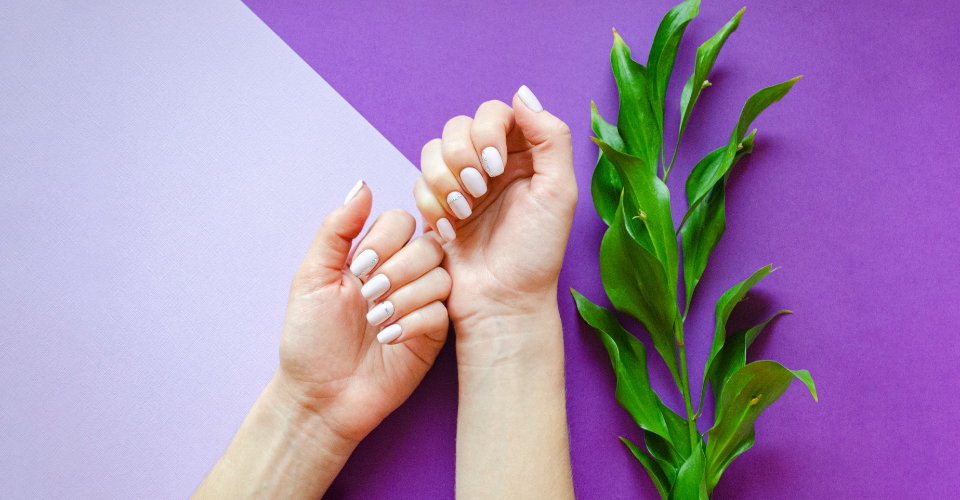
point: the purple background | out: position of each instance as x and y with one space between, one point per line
852 190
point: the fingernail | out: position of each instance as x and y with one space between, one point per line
353 191
492 161
380 313
459 205
446 230
389 334
376 287
363 263
473 181
528 99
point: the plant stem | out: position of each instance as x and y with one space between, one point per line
685 388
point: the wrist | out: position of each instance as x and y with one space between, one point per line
528 337
306 421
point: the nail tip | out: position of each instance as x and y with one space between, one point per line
389 334
353 191
529 99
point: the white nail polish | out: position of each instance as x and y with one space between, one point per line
446 230
473 180
377 286
492 161
528 99
363 263
459 205
389 334
353 191
380 313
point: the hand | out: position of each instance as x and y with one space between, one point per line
505 223
332 359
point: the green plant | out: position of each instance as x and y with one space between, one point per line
640 264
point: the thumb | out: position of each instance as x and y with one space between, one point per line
551 150
328 253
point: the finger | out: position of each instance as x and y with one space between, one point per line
488 132
389 233
442 182
551 150
432 211
429 321
435 285
411 262
461 157
331 246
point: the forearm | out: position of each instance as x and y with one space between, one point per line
512 425
282 450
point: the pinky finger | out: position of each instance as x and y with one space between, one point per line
432 211
430 320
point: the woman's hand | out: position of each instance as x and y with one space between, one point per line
499 189
358 338
505 224
356 341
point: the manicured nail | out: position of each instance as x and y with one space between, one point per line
528 99
492 161
473 180
363 263
446 230
377 286
380 313
353 191
459 205
389 334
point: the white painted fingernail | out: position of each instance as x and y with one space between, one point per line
459 205
528 99
363 263
353 191
380 313
446 230
389 334
473 180
492 161
376 287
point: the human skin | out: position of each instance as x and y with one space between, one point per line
339 375
505 225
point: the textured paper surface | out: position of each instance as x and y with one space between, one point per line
852 190
163 168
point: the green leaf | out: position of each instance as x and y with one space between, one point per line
629 359
605 186
745 396
700 182
663 54
725 306
706 57
636 122
673 453
690 483
656 474
733 356
645 195
704 223
637 285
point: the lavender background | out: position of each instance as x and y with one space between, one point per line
852 190
144 274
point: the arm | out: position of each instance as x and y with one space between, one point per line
357 339
504 251
281 450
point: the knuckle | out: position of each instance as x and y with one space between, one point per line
456 120
432 143
486 131
457 151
